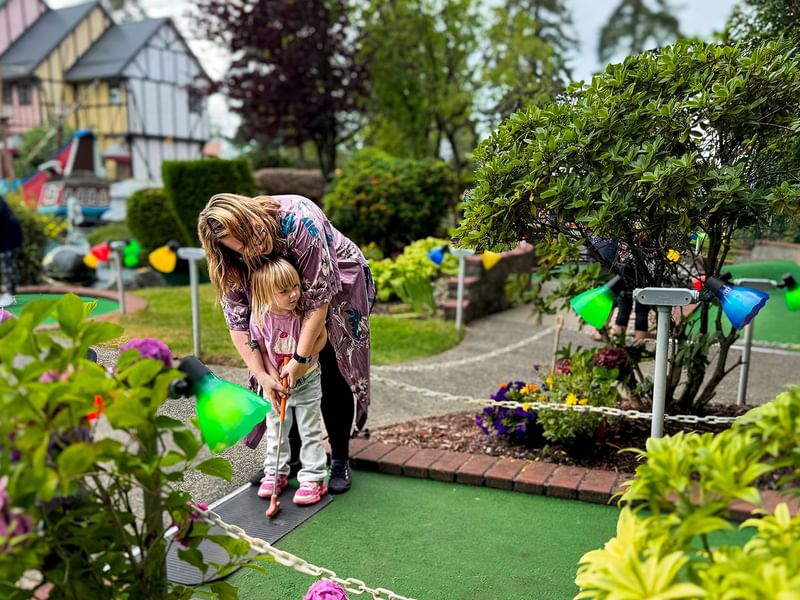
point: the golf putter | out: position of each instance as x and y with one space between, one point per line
274 503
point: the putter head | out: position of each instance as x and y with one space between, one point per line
274 507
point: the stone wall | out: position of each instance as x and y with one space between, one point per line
484 290
305 182
768 250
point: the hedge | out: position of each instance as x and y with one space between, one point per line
190 183
150 219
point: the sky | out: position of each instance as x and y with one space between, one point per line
698 18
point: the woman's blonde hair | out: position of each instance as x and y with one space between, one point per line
252 221
266 282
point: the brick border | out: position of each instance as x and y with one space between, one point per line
132 303
525 476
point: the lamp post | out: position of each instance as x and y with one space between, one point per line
116 257
462 254
193 255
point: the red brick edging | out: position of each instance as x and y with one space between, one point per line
526 476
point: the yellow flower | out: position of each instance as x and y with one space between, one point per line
583 402
526 405
549 381
571 400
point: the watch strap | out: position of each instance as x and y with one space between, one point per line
301 359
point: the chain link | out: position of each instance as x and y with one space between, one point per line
287 559
463 361
607 410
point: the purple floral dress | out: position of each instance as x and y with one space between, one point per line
332 269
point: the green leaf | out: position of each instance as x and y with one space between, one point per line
95 332
224 590
142 373
216 467
186 441
165 422
70 314
76 460
194 557
127 412
234 547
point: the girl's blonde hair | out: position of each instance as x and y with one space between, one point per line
253 221
266 282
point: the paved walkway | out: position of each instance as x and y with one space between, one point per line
485 369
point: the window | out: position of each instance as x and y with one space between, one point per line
114 94
195 103
7 96
24 93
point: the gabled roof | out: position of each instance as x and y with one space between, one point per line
111 53
40 39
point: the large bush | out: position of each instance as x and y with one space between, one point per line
150 219
682 496
190 183
693 137
390 274
390 201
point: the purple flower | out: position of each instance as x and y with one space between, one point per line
12 522
564 367
611 358
150 348
5 315
325 589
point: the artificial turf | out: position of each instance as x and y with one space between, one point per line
427 539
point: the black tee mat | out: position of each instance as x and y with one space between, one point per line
246 510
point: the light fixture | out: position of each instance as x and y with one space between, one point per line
226 412
740 304
792 294
594 306
165 258
490 259
437 255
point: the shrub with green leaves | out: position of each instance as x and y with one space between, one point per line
35 231
390 275
84 513
150 219
190 183
390 201
682 495
108 233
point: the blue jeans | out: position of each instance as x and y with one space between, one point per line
303 406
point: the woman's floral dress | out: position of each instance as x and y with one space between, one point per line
332 269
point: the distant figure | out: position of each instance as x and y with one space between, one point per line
11 238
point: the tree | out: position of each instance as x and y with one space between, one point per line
422 76
526 57
764 19
37 145
692 137
296 73
635 26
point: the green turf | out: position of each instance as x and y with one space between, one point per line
103 306
774 322
426 539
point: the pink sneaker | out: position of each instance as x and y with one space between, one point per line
310 492
268 483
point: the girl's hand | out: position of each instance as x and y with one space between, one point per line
294 372
272 389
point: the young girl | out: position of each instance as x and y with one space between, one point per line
275 323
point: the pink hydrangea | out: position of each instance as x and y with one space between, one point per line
150 348
325 589
5 315
12 521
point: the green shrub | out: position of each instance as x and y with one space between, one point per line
35 228
390 201
389 275
150 219
190 183
108 233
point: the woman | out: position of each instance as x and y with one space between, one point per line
237 232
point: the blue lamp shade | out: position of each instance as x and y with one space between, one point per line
594 306
740 304
436 255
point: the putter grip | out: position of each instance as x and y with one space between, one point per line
284 383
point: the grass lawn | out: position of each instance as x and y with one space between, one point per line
169 318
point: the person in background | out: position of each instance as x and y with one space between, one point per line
11 238
237 234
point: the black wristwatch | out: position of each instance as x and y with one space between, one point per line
301 359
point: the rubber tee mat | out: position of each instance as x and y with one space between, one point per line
246 510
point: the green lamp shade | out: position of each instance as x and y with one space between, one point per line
226 412
594 306
792 294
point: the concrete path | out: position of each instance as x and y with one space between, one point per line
485 369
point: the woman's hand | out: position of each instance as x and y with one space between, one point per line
272 389
294 372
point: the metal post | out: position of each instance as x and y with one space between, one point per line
193 255
116 257
741 396
462 254
660 382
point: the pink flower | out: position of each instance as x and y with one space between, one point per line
5 315
325 589
12 522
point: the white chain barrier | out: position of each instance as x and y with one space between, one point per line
606 410
287 559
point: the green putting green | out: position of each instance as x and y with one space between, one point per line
427 539
103 306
